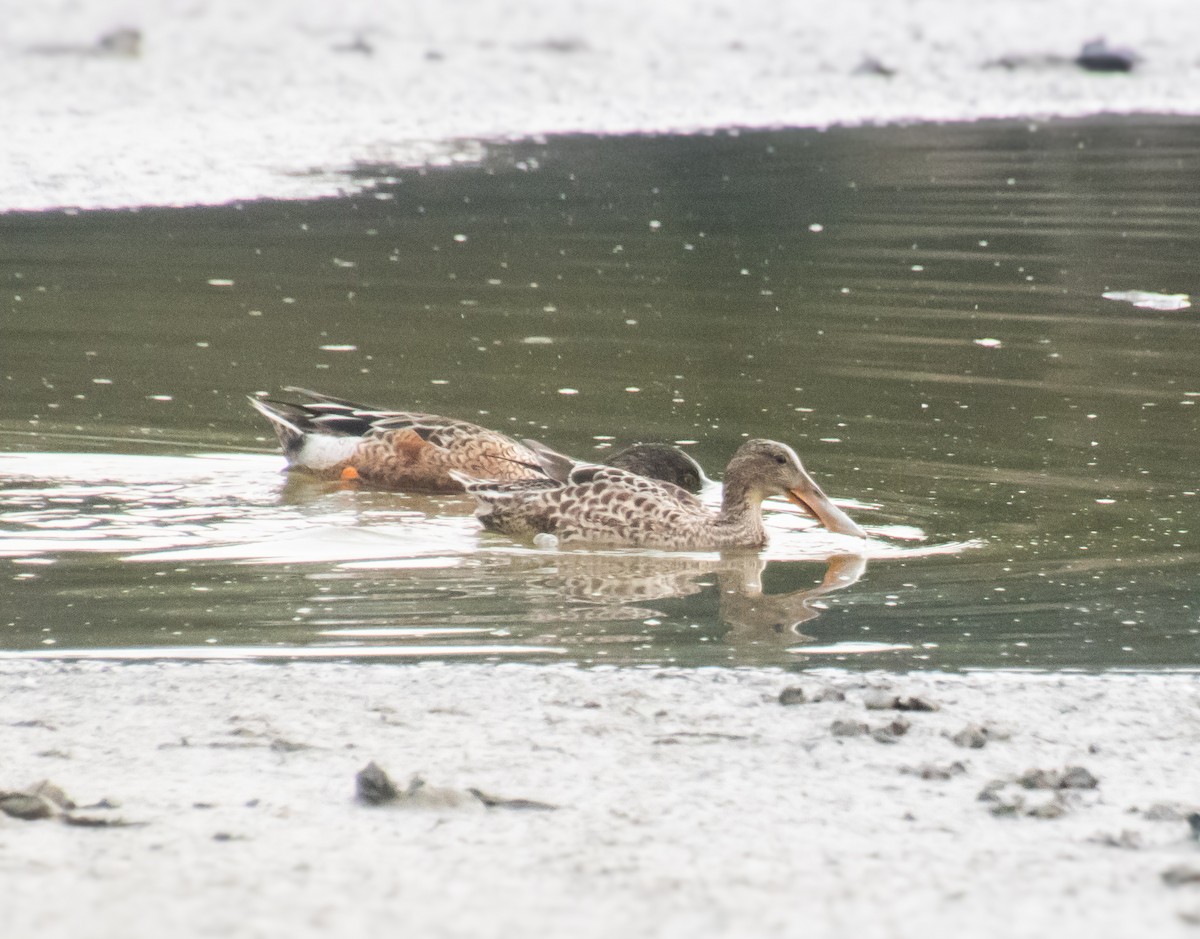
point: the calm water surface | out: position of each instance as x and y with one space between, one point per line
919 311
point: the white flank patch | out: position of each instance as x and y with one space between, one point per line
321 451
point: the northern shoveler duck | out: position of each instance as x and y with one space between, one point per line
336 439
608 506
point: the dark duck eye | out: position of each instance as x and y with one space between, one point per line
780 459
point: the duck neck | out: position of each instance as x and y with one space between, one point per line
741 513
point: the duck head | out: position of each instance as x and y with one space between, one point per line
661 461
762 468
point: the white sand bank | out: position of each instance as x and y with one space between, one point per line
692 804
228 100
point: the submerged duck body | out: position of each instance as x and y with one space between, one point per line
608 506
332 438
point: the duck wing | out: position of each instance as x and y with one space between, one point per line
557 466
329 414
598 504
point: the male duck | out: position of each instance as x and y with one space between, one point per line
333 438
608 506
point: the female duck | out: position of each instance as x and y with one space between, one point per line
336 439
607 506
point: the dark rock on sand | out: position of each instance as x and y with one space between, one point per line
46 800
916 703
1098 56
1052 809
886 700
936 771
124 43
991 790
1011 796
892 731
1172 812
373 786
973 736
1128 840
873 66
24 806
792 696
1008 802
1181 875
1095 56
43 800
1073 777
880 700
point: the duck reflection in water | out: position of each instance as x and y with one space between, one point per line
622 587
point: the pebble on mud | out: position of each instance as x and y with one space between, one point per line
1073 777
842 727
976 736
1162 812
916 703
46 800
892 731
25 807
1008 802
886 700
972 736
1010 796
880 700
792 696
43 800
373 786
873 66
1098 56
1051 809
935 771
1128 839
1172 812
1180 875
123 43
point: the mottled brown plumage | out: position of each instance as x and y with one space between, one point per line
336 439
407 450
608 506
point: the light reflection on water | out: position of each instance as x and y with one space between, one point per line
920 311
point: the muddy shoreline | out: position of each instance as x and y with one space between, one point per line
143 103
712 802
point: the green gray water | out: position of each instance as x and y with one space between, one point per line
917 310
